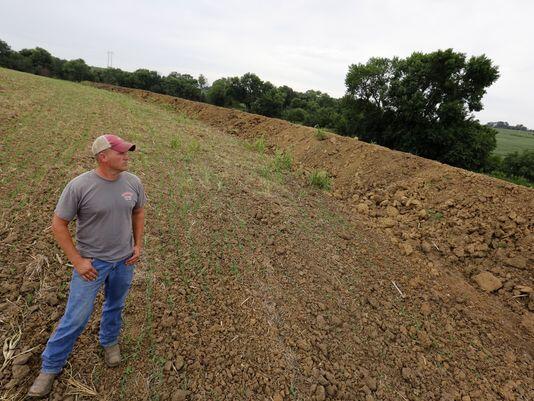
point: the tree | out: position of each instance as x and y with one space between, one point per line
202 82
181 85
40 59
371 82
270 102
5 54
296 115
56 68
422 104
520 164
77 70
112 76
251 88
289 95
145 79
218 93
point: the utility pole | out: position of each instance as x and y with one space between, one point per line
110 59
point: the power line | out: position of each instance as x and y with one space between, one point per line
110 59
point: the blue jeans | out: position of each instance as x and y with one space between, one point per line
116 278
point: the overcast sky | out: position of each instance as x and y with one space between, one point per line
302 44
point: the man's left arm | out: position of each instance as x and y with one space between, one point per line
138 226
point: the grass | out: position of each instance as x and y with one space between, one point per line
509 141
282 162
320 134
258 145
176 143
191 150
513 179
435 215
320 179
78 387
280 165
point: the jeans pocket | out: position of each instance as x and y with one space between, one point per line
97 263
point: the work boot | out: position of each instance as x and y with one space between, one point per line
112 355
42 385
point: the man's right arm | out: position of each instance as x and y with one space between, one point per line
83 266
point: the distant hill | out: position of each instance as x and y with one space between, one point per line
512 140
505 125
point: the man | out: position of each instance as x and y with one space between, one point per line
108 204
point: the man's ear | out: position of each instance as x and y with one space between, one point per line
102 156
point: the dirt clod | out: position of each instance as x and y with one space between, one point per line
180 395
278 397
320 393
487 281
179 362
18 372
22 359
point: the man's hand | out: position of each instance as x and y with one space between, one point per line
86 270
135 257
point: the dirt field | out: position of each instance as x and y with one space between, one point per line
255 285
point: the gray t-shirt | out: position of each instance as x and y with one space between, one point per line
103 209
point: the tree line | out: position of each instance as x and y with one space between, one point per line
422 104
505 125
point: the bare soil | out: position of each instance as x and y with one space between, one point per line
254 285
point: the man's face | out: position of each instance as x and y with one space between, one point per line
115 160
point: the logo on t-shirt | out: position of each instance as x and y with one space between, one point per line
127 196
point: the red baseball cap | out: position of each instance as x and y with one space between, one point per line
110 141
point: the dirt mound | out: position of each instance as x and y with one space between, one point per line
452 218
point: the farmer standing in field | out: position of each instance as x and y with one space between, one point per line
108 204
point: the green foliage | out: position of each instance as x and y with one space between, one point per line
514 179
112 76
504 125
422 105
270 102
519 165
181 85
320 179
250 93
435 215
297 115
372 81
5 50
193 147
258 145
36 61
280 165
176 143
469 147
76 70
40 59
514 167
320 134
248 89
282 162
6 55
218 93
493 163
145 79
202 82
